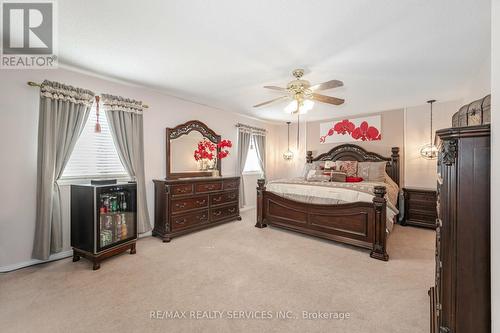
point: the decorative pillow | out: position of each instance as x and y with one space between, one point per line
372 171
338 176
349 167
353 179
317 176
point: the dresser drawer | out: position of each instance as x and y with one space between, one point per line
208 187
184 221
180 205
223 212
182 189
422 196
221 198
231 184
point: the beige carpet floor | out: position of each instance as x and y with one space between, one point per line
230 268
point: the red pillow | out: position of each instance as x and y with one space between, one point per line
353 179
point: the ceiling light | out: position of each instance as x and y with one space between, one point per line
288 154
304 106
429 151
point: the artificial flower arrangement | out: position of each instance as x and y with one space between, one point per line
206 155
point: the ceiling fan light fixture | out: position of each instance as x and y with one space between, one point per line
304 106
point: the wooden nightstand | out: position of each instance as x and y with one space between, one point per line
420 207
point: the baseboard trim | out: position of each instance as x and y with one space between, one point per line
57 256
244 209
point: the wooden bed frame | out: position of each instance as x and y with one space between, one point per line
361 224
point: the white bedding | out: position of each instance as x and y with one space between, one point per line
334 193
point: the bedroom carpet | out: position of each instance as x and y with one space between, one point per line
247 274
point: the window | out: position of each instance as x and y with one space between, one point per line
252 164
95 154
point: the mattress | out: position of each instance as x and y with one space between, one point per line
332 193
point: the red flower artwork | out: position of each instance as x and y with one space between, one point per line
343 127
365 132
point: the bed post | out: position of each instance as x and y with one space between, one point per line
309 156
261 188
379 246
395 165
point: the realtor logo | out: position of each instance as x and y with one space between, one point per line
28 35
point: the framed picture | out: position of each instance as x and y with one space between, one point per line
349 130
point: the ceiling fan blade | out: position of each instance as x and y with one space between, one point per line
327 85
327 99
271 101
275 88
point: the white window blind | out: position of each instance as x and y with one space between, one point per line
95 154
252 164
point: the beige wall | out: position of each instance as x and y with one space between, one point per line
418 171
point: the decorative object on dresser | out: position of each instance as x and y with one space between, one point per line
103 220
420 207
190 199
361 224
184 205
460 299
475 113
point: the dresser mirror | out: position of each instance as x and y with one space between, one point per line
182 144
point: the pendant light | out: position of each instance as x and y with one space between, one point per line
288 155
429 151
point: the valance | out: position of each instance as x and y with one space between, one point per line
59 91
118 103
251 129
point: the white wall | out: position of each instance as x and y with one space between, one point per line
495 160
418 171
18 146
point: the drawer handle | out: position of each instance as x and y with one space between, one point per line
217 213
232 210
210 187
200 202
202 217
232 196
182 190
180 205
218 199
181 221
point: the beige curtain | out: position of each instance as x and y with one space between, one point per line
244 137
260 142
126 125
64 110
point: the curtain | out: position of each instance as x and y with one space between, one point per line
260 143
244 137
126 125
64 110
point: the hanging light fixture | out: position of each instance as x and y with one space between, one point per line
299 106
430 151
288 155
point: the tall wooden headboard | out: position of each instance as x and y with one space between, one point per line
352 152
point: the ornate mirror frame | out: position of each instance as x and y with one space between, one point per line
183 129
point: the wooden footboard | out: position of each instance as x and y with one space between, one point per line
361 224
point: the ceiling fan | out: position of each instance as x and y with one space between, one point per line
303 94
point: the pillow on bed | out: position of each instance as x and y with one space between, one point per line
338 176
353 179
349 167
372 171
317 176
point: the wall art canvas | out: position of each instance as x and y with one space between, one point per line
349 130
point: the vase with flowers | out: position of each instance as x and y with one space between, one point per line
207 153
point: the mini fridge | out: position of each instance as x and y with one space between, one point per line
103 220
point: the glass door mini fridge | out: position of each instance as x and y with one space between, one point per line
103 220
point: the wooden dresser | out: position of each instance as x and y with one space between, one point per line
460 298
185 205
420 207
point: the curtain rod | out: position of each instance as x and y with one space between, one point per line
250 127
34 84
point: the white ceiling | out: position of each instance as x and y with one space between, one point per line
389 53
